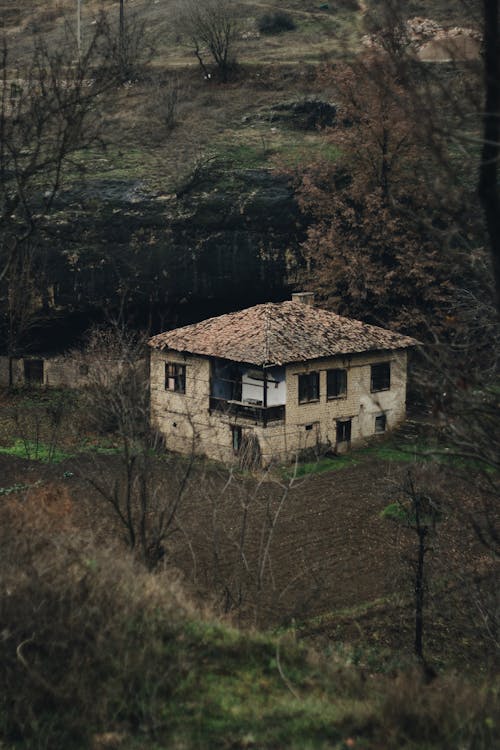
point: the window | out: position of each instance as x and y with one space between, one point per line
175 377
344 431
236 435
380 377
380 423
33 371
336 383
308 387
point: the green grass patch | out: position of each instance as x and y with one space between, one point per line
242 699
37 451
386 452
297 154
328 463
102 447
114 163
17 487
34 451
394 453
243 156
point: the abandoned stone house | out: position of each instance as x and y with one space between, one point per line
63 371
274 380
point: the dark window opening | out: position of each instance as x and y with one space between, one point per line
344 431
175 377
308 387
83 369
309 426
336 383
225 382
380 423
33 370
236 435
380 377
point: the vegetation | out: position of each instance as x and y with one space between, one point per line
275 23
211 28
146 180
160 674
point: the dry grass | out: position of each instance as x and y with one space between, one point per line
87 635
97 653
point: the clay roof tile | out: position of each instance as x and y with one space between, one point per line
279 333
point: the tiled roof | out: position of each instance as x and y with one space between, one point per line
277 334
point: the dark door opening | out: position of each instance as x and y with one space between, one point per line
344 431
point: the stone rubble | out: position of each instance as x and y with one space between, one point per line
418 31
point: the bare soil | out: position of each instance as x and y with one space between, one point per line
334 568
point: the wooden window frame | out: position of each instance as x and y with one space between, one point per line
332 383
380 382
175 377
304 387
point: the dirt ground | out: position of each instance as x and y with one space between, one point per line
314 552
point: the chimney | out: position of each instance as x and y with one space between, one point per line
305 298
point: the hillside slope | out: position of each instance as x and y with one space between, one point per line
97 653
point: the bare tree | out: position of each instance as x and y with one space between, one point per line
163 106
116 402
47 115
210 27
489 191
418 511
131 47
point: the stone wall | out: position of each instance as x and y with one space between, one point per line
187 424
64 371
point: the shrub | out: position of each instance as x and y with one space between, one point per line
448 712
88 638
275 23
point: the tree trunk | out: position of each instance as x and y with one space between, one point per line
488 176
419 595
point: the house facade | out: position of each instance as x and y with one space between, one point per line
272 381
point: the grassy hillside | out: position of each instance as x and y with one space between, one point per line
97 653
234 121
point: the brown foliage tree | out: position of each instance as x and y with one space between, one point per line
378 248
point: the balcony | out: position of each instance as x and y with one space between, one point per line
254 412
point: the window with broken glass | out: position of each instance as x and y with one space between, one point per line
175 377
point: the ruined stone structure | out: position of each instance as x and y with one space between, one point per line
274 380
36 370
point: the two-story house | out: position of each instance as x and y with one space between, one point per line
274 380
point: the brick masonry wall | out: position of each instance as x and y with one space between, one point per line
359 405
187 424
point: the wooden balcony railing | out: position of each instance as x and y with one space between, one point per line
254 412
